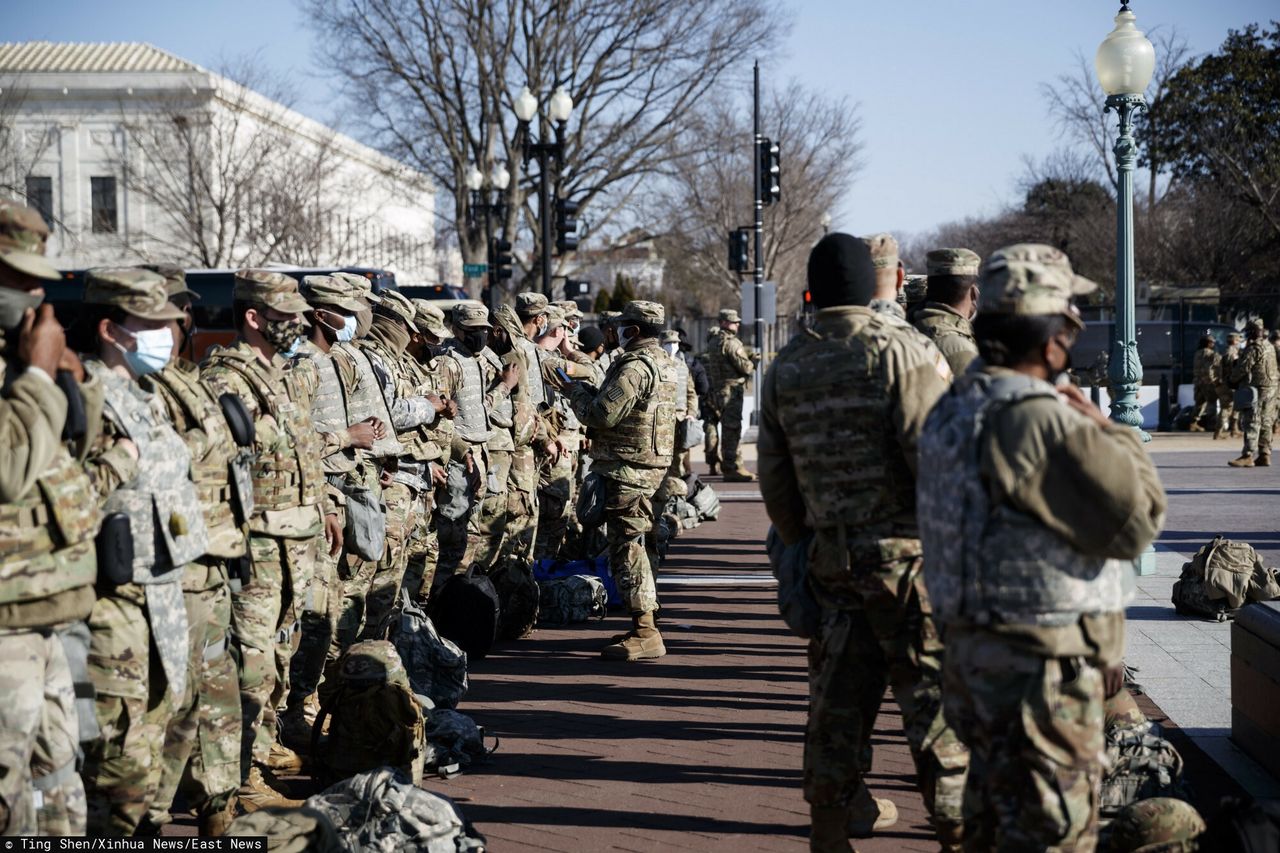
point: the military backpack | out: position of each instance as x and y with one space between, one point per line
577 598
1141 765
518 598
437 668
1221 578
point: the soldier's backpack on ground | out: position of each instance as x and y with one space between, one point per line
466 610
549 570
790 564
454 742
289 830
384 811
517 599
1142 765
705 501
577 598
374 718
591 500
1221 578
437 668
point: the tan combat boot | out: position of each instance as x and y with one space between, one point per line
862 820
283 760
256 794
214 824
644 644
1263 460
827 829
739 475
1244 461
1195 427
1218 434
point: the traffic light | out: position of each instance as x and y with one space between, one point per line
739 250
770 171
573 288
566 226
499 259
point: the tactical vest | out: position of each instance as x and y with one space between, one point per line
440 433
557 400
472 422
366 401
502 412
213 453
414 381
46 535
646 437
329 409
987 564
539 392
682 389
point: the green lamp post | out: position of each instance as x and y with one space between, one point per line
1125 62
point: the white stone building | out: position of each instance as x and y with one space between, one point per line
632 257
135 154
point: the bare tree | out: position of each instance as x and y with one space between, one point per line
437 77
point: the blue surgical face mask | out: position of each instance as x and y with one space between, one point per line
152 350
348 330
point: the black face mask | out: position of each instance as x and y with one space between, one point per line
1064 373
475 341
500 345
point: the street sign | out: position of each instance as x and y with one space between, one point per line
768 303
474 270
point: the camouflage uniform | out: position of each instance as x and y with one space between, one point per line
1207 376
288 496
1257 367
1228 418
841 411
673 484
951 333
1026 509
631 425
47 569
729 366
136 701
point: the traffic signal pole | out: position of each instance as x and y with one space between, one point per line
758 270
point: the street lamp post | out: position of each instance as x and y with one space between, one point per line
482 206
1125 62
549 154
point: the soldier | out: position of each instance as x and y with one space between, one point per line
205 725
1257 368
572 319
951 302
841 411
141 471
289 513
608 326
915 291
673 485
630 421
591 345
47 567
1207 375
1226 391
1275 343
890 276
729 364
1029 498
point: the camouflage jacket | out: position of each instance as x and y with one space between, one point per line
728 360
1207 368
951 333
1257 367
631 419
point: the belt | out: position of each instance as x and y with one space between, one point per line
336 480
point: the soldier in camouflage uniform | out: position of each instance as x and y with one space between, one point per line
1207 374
631 423
292 515
674 485
841 411
1228 417
1029 501
891 278
205 726
1257 368
952 299
47 562
609 327
141 471
729 366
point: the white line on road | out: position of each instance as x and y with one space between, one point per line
717 580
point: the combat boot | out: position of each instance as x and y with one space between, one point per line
1263 460
862 821
214 824
1195 427
1218 434
711 469
283 760
295 730
645 643
256 794
739 475
827 829
1245 461
950 835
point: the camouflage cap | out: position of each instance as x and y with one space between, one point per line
1156 825
884 250
471 315
361 287
915 288
175 279
531 304
430 318
608 318
133 290
272 289
570 309
22 241
397 306
325 291
555 318
952 262
728 315
643 311
371 660
1257 323
670 336
1031 279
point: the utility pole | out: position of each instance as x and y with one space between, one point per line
758 270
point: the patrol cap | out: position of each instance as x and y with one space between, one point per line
360 286
728 315
23 234
430 318
952 262
1156 825
471 315
175 279
608 318
555 318
325 291
570 309
670 336
133 290
643 311
397 306
1256 323
884 250
272 289
531 304
1031 279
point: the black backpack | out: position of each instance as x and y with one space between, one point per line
466 611
1243 826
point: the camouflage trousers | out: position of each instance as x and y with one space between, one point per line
40 790
628 513
317 624
355 580
402 505
877 631
1228 418
201 750
1257 423
557 492
133 707
488 526
1205 401
424 552
1034 727
523 508
462 538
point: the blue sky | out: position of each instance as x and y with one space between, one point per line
948 90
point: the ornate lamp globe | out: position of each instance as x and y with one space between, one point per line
561 105
474 178
526 105
500 177
1126 58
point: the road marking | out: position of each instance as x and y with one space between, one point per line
718 580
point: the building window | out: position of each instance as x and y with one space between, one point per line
103 200
40 196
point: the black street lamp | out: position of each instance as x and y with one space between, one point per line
550 157
482 206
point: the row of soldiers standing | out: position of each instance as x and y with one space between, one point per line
188 549
1245 385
